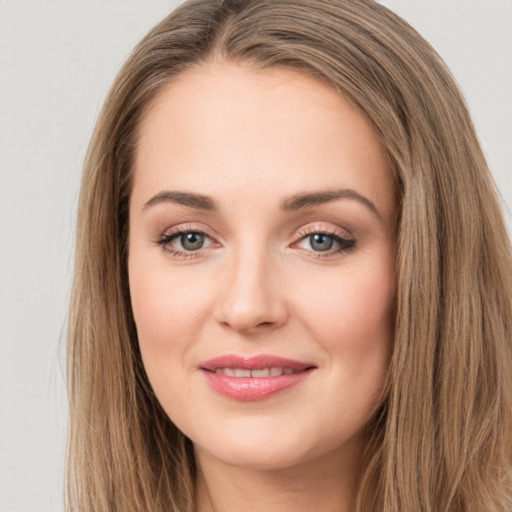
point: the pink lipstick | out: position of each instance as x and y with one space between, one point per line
253 378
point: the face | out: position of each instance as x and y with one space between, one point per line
262 264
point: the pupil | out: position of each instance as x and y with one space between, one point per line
321 242
192 241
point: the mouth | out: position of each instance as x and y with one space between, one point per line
264 372
253 378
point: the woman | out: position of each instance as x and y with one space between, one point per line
293 280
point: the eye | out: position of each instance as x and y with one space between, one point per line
325 242
184 242
321 242
191 241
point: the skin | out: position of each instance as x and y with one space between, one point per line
250 140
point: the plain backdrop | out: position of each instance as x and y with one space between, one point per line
57 60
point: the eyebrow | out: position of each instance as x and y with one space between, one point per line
196 201
296 202
310 199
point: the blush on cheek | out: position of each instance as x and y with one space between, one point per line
168 311
352 304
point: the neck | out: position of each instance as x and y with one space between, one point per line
327 483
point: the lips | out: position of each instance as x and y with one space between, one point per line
253 378
263 372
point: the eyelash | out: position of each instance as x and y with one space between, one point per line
345 245
166 238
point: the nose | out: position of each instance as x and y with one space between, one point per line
252 297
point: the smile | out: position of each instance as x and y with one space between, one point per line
254 378
265 372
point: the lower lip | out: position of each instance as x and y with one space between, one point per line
253 388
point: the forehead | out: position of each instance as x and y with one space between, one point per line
222 129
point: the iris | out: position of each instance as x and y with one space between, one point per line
321 242
192 241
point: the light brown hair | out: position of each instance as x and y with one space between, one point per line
442 440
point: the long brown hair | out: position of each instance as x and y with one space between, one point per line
442 441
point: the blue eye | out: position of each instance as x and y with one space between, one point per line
328 243
321 242
192 241
183 242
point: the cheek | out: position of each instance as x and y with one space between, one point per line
351 314
355 300
352 318
167 309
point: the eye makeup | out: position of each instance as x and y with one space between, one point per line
193 241
324 243
186 242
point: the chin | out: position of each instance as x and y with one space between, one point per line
260 449
258 457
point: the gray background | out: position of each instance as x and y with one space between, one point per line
57 60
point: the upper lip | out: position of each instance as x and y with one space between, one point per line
258 362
